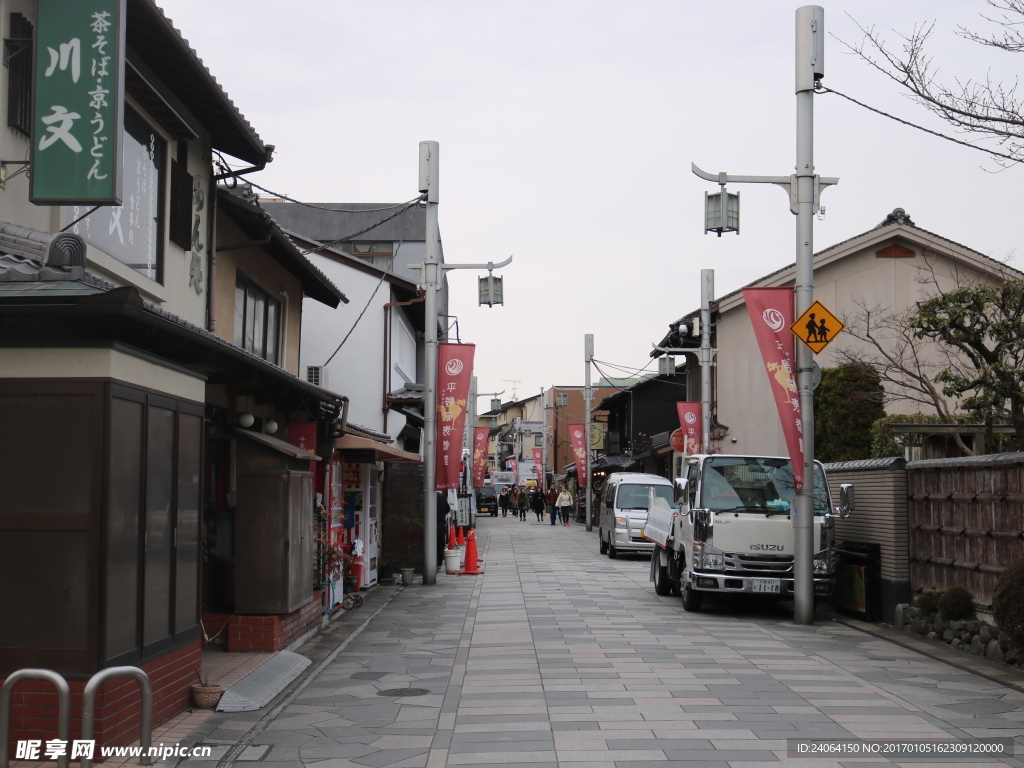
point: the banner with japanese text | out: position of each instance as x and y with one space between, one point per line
454 372
771 314
77 121
578 439
513 466
538 465
690 422
480 435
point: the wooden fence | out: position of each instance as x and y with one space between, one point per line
966 519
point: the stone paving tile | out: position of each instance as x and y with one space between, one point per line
558 656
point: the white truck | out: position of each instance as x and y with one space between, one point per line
731 530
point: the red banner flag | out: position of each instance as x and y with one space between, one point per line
771 313
454 371
513 467
538 465
689 422
480 435
577 435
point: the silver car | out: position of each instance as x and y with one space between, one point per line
623 511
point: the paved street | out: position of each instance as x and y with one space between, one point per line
560 656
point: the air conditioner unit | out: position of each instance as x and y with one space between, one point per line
316 374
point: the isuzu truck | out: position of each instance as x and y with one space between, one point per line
731 530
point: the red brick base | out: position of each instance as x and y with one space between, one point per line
266 634
118 704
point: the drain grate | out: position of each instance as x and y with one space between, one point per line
403 692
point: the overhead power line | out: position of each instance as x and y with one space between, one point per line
961 142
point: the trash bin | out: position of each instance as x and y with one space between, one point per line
858 587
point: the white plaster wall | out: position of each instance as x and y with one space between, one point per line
358 369
745 401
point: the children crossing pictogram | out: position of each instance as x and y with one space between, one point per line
817 327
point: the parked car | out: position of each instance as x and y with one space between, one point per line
623 511
486 501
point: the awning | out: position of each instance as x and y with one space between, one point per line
278 445
356 443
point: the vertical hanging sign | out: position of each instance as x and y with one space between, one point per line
480 435
454 371
78 99
538 465
579 450
771 314
689 422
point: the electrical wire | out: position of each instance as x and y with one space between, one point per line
633 371
399 212
384 274
227 168
822 89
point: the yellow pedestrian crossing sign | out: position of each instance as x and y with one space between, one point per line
817 327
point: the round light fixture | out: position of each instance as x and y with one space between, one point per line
246 420
270 426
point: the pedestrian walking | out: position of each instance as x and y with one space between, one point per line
564 504
550 499
537 502
523 503
504 499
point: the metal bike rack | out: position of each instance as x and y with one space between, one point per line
63 710
89 709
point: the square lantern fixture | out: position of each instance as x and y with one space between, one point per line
491 291
561 400
495 403
493 422
721 212
666 365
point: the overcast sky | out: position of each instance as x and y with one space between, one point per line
566 134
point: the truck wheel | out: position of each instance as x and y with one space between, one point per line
662 583
612 551
692 599
603 546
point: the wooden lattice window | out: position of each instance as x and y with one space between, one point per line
18 60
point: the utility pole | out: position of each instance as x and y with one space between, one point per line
707 295
428 185
588 395
804 189
810 67
433 273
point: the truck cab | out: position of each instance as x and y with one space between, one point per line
731 529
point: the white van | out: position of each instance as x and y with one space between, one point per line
622 511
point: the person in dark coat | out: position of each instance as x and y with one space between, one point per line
504 499
522 503
443 509
537 502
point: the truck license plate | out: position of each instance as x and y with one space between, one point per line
767 585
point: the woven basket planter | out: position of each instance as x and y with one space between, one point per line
206 696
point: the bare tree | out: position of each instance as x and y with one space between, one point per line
986 108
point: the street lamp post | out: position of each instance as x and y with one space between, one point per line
804 189
433 274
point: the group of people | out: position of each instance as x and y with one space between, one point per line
557 504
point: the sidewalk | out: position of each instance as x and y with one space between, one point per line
558 656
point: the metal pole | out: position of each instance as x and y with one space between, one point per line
809 67
588 394
428 183
707 281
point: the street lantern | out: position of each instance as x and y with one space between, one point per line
493 422
495 403
666 366
721 211
491 291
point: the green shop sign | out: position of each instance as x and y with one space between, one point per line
77 109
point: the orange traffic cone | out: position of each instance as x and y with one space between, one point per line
460 540
451 537
472 566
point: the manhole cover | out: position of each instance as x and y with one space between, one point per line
403 692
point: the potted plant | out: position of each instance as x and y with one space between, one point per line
205 695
